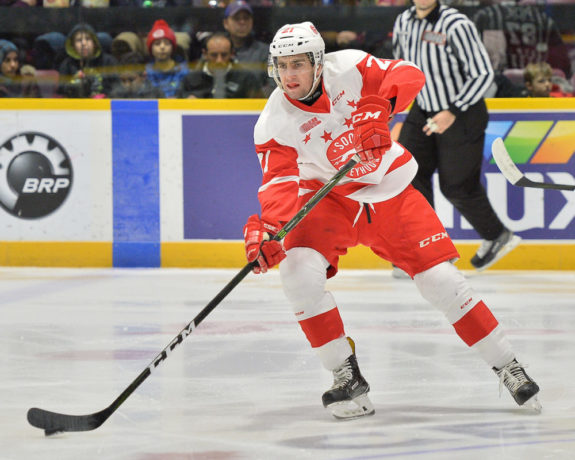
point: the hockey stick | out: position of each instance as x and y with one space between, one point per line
53 422
512 173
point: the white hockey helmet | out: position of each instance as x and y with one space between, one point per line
293 39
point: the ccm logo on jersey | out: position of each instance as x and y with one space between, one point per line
366 116
338 97
466 303
432 239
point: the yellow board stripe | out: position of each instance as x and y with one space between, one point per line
230 254
55 254
253 105
55 104
541 103
222 105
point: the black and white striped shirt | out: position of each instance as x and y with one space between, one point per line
446 46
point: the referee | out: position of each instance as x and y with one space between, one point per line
445 128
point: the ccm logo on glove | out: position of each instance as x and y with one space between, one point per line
371 136
366 116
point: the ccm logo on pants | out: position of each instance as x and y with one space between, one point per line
432 239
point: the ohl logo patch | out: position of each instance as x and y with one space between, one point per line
35 175
340 152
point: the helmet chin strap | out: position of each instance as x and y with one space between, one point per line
316 80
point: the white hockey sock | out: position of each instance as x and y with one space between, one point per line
333 353
495 349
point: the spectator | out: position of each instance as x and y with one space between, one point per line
537 78
49 50
105 40
539 81
15 82
132 80
86 71
218 75
504 87
529 34
164 72
125 43
183 44
251 53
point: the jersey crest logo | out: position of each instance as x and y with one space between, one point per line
310 124
340 151
434 37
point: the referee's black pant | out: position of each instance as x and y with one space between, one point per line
457 155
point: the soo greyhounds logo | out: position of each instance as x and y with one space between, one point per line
340 152
35 175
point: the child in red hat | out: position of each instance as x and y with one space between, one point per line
164 72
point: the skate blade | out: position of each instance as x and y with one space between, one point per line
533 404
355 408
510 246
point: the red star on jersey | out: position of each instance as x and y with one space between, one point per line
348 122
307 138
352 103
326 136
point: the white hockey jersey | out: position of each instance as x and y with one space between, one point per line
301 147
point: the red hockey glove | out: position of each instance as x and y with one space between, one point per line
259 247
370 128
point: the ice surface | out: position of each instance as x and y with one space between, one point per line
245 384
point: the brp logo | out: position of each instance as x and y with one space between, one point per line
35 175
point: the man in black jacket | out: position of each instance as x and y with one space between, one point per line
218 76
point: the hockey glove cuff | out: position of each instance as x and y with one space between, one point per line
259 246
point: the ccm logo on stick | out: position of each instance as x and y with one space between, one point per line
432 239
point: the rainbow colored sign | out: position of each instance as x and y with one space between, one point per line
534 138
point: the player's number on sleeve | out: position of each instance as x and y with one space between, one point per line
383 64
264 158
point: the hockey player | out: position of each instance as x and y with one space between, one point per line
323 112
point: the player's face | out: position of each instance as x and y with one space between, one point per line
296 75
540 86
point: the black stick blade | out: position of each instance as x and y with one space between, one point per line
512 173
524 182
52 422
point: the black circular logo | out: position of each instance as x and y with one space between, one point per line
35 175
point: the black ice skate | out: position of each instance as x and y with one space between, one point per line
523 389
491 251
347 398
